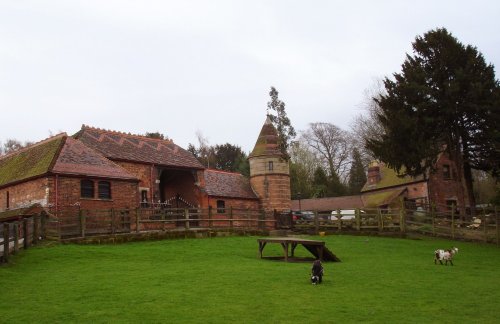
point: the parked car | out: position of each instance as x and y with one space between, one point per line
302 216
346 214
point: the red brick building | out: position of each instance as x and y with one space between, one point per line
385 189
441 187
99 168
62 171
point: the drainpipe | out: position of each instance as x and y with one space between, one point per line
151 184
57 192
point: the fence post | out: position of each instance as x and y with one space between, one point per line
357 214
433 215
231 217
402 213
43 220
36 230
498 229
485 227
26 241
339 220
82 222
137 220
210 217
453 221
316 222
113 225
5 242
16 237
379 216
186 216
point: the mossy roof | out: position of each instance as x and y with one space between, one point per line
31 161
390 178
267 142
381 198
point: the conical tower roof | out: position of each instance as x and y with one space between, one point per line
267 143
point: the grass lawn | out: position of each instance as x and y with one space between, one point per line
222 280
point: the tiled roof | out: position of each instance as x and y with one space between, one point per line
267 142
227 184
31 161
77 159
127 147
328 204
390 178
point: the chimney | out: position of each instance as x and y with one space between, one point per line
373 175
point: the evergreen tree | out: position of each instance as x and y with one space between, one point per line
228 157
357 174
299 181
286 132
446 99
336 188
320 183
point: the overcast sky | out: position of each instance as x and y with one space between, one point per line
179 67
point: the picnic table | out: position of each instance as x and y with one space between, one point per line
317 248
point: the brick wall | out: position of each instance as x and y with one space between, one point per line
124 194
273 191
260 166
271 185
443 188
417 190
25 194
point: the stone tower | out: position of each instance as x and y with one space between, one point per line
269 171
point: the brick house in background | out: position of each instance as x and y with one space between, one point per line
385 189
441 187
102 169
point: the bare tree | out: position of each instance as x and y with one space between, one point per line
332 146
12 145
365 125
301 153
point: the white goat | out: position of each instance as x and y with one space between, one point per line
446 255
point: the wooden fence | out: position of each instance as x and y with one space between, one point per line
21 233
71 222
75 222
426 220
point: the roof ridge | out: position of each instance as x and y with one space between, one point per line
114 164
170 141
223 171
44 141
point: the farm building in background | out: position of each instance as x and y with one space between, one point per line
385 189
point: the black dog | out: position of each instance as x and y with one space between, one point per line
316 272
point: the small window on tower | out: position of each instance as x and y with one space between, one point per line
270 166
8 198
